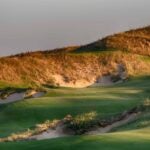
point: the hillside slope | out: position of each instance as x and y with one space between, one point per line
127 54
135 41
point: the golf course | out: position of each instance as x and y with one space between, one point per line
90 97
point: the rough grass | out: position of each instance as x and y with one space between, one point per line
40 68
32 69
134 41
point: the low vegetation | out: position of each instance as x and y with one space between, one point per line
134 41
82 123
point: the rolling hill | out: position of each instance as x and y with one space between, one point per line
107 61
134 41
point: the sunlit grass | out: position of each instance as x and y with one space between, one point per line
58 103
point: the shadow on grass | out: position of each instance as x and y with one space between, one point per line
105 101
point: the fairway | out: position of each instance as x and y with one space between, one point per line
59 102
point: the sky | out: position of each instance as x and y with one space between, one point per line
28 25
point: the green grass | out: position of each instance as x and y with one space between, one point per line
5 85
105 101
58 103
143 122
136 140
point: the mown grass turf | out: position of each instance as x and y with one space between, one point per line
58 103
141 123
136 140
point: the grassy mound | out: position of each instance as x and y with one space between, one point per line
134 41
69 67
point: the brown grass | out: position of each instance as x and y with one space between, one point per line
40 68
37 68
134 41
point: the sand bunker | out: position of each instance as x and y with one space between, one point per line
61 131
19 96
60 128
109 128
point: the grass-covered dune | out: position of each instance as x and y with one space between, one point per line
67 69
79 66
135 41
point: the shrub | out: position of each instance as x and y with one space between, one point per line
82 123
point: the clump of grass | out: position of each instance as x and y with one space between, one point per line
82 123
146 103
45 126
16 137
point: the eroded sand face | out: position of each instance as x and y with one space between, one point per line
102 80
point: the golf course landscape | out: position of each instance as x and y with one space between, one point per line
89 97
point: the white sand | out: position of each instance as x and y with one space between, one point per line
18 97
